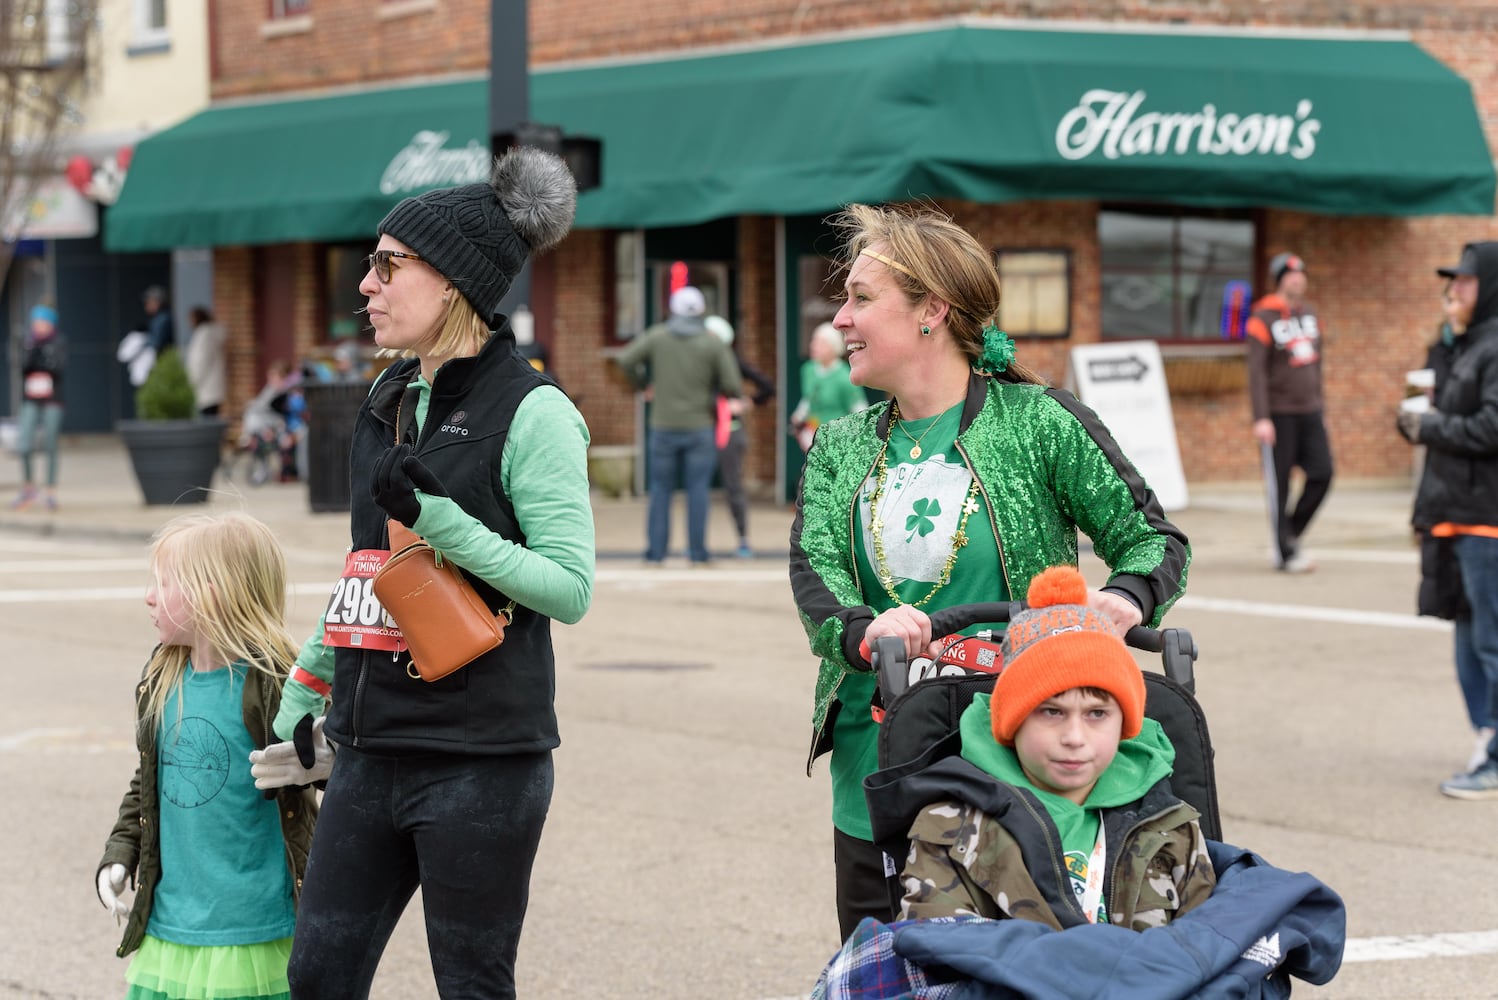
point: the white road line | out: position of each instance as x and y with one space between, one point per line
627 576
1368 556
651 575
8 743
1336 616
63 566
1452 945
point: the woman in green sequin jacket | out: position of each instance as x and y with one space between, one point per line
922 299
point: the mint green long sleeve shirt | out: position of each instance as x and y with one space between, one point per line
544 471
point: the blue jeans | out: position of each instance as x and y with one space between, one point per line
1474 683
1479 561
693 455
47 417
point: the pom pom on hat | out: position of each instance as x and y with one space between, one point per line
1056 644
479 236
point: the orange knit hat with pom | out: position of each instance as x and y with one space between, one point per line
1057 644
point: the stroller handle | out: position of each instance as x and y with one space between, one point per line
886 654
960 616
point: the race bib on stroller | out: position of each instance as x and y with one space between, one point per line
355 617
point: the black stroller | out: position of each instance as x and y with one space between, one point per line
920 711
1261 927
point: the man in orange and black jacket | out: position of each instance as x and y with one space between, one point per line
1284 382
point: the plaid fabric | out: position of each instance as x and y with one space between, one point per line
867 968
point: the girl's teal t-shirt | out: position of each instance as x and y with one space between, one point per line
224 879
921 506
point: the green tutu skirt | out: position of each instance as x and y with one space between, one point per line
162 970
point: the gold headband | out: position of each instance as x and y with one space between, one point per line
887 262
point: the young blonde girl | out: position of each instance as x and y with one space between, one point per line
215 865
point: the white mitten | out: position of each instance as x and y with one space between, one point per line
111 883
305 758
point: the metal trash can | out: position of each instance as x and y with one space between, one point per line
331 409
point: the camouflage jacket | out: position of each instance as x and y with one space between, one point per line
1046 466
982 847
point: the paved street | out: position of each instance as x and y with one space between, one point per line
686 854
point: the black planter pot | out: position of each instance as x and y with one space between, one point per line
174 460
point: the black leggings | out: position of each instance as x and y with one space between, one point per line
1299 440
464 828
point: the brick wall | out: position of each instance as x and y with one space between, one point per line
1371 278
585 29
345 42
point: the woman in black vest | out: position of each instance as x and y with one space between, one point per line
444 784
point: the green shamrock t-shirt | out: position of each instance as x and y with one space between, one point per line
921 505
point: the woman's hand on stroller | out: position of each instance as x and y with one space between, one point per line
910 625
1122 612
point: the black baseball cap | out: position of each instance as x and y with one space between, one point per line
1466 266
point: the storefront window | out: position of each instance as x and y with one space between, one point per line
629 284
821 283
345 269
1166 276
1036 287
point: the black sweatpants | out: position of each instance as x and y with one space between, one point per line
862 889
464 828
1299 440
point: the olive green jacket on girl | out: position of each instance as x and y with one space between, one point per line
135 841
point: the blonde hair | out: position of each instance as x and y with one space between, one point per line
461 328
935 256
231 573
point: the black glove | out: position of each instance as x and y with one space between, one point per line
1408 423
396 478
301 739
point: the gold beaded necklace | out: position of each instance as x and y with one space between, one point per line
959 537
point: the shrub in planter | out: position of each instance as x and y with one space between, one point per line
166 393
174 452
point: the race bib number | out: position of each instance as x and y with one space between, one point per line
38 385
355 618
961 655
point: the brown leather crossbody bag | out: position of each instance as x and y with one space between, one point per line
444 622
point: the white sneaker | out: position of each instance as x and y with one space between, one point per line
1481 739
1298 563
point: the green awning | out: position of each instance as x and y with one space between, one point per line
987 114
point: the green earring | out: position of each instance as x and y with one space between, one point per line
925 331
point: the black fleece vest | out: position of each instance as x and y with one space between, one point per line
502 702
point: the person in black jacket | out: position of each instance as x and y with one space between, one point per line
44 356
1458 495
444 784
733 438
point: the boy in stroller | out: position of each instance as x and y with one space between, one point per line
1051 803
1065 732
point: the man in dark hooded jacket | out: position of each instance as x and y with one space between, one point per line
1458 495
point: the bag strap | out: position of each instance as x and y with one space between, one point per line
395 529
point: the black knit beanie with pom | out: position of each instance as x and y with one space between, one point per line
479 236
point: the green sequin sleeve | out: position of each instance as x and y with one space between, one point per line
823 584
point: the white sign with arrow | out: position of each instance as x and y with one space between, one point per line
1124 383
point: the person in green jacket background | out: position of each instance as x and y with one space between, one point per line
685 368
827 392
968 482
